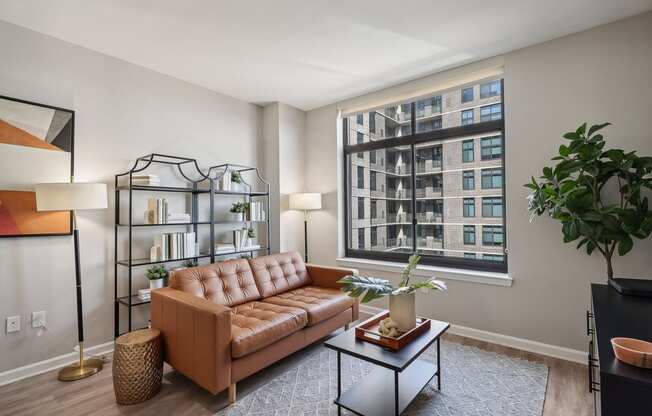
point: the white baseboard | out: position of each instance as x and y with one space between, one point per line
50 364
554 351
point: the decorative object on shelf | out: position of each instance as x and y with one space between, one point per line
201 190
239 210
156 275
157 211
145 294
634 352
251 234
146 180
36 143
242 240
73 197
381 330
170 246
402 300
137 366
305 202
572 192
190 263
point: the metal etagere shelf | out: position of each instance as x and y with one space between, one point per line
198 183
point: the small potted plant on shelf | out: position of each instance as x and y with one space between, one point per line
251 234
156 274
402 310
238 211
236 181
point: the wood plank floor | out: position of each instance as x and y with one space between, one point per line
44 395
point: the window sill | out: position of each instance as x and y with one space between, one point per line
445 273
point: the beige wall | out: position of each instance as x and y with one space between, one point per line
122 112
603 74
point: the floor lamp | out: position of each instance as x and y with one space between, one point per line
305 202
72 197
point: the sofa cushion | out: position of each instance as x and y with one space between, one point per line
319 302
226 283
278 273
255 325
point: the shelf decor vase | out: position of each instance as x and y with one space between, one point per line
156 284
402 311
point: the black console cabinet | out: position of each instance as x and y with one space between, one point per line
618 388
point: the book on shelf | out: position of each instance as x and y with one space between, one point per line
144 294
146 180
170 246
223 248
157 211
256 211
174 218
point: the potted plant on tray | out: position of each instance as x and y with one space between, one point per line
573 192
402 311
156 274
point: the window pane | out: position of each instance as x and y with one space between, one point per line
467 117
490 112
381 201
492 178
428 114
469 207
490 89
492 207
467 94
468 180
491 148
381 123
467 151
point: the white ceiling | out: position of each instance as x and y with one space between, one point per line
308 53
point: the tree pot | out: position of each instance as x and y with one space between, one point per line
402 311
237 216
156 284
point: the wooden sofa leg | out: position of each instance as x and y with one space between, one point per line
232 393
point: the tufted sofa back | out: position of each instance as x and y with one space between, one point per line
227 283
278 273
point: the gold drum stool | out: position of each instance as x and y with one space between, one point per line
137 366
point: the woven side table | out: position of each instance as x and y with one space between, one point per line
137 366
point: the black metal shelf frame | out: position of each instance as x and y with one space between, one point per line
200 183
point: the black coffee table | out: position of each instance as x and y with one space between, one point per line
399 378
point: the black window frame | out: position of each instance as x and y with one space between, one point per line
472 149
360 177
372 122
490 203
372 180
490 230
469 228
464 179
473 130
491 146
486 172
360 211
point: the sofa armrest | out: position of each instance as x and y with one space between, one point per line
196 336
325 276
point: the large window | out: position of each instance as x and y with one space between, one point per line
414 190
491 148
492 178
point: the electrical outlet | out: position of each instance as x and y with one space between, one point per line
13 324
38 319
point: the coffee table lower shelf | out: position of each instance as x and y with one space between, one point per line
376 396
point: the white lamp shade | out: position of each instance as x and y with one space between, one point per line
67 196
305 201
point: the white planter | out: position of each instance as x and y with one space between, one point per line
156 284
237 216
402 311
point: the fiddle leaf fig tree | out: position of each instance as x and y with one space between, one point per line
579 192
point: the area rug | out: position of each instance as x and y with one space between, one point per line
474 382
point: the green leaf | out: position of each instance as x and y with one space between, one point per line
625 245
581 129
571 136
597 127
563 151
369 288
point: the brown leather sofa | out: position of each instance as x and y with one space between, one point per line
225 321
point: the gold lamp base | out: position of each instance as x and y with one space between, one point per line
86 367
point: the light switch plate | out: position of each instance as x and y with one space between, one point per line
13 324
38 319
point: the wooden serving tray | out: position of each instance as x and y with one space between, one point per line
368 331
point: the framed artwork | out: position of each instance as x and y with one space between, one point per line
36 146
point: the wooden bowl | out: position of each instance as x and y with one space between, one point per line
633 351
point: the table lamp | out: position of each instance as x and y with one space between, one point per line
72 197
305 201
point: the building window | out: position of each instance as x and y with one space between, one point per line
468 208
490 89
467 117
467 151
492 178
490 112
492 207
492 257
405 196
360 177
469 234
492 235
491 148
467 94
360 139
468 180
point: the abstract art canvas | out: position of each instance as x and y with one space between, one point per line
36 146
